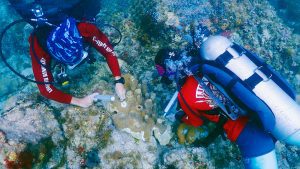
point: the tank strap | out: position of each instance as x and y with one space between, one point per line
276 77
254 79
238 48
224 58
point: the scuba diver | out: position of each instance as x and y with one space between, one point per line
208 91
59 36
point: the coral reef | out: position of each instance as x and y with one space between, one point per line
38 133
29 133
191 158
127 152
188 134
136 115
86 132
162 133
267 36
289 11
26 120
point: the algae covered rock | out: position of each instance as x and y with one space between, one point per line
30 133
87 132
187 158
189 134
127 152
24 120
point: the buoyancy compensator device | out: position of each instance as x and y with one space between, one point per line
254 85
46 15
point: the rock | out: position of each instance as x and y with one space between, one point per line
10 103
73 158
89 135
2 138
15 116
134 125
163 137
266 34
188 158
138 135
126 152
92 159
27 122
172 19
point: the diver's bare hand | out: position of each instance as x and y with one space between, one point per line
120 91
85 102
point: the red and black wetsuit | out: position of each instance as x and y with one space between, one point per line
200 103
251 140
90 34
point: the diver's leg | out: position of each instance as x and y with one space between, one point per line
257 148
266 161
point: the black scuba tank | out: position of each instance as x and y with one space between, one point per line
53 10
56 10
85 10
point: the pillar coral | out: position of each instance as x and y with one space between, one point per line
134 116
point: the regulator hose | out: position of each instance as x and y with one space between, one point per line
4 59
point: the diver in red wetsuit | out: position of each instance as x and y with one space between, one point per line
59 36
98 40
197 106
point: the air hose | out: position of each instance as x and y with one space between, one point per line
4 59
120 39
34 53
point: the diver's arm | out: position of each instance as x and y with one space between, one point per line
184 98
44 75
94 36
99 41
189 118
86 101
48 90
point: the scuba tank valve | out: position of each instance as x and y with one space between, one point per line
39 16
38 11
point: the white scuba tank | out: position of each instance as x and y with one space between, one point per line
285 109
